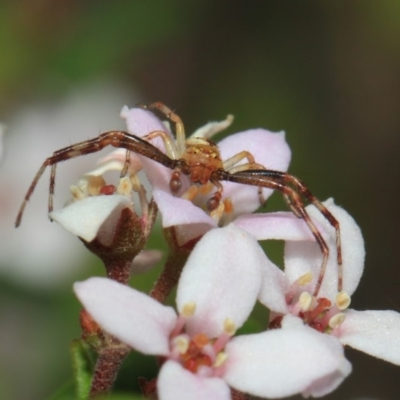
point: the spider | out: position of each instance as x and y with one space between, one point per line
200 159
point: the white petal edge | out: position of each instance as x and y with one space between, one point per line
277 225
283 362
223 278
85 217
133 317
374 332
274 288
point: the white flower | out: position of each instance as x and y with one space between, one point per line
374 332
216 293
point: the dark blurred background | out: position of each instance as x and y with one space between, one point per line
328 73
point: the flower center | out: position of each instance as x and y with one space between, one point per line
195 356
199 353
316 312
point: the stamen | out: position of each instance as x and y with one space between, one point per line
229 327
95 183
305 279
200 339
189 309
76 193
343 300
305 301
337 320
220 359
217 213
180 344
125 186
228 206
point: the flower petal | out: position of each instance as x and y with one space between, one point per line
145 261
284 362
190 221
85 217
374 332
277 225
269 149
176 383
223 277
141 122
131 316
303 257
273 289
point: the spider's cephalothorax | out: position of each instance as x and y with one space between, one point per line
199 158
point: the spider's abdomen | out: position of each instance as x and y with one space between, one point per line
203 157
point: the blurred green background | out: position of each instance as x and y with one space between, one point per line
328 73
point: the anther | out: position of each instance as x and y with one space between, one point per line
188 309
125 186
181 344
337 320
229 327
305 279
94 184
305 301
343 300
220 359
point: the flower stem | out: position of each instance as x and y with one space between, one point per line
107 366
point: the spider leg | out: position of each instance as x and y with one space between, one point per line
176 119
302 188
232 168
119 139
278 181
169 143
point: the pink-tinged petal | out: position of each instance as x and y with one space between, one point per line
131 316
176 383
278 225
303 257
141 122
145 261
269 149
374 332
178 211
284 362
223 278
273 289
190 221
85 217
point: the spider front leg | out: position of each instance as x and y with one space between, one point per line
119 139
277 180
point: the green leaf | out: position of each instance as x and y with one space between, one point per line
82 365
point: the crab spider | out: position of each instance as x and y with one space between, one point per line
200 160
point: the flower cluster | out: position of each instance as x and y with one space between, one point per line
221 272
